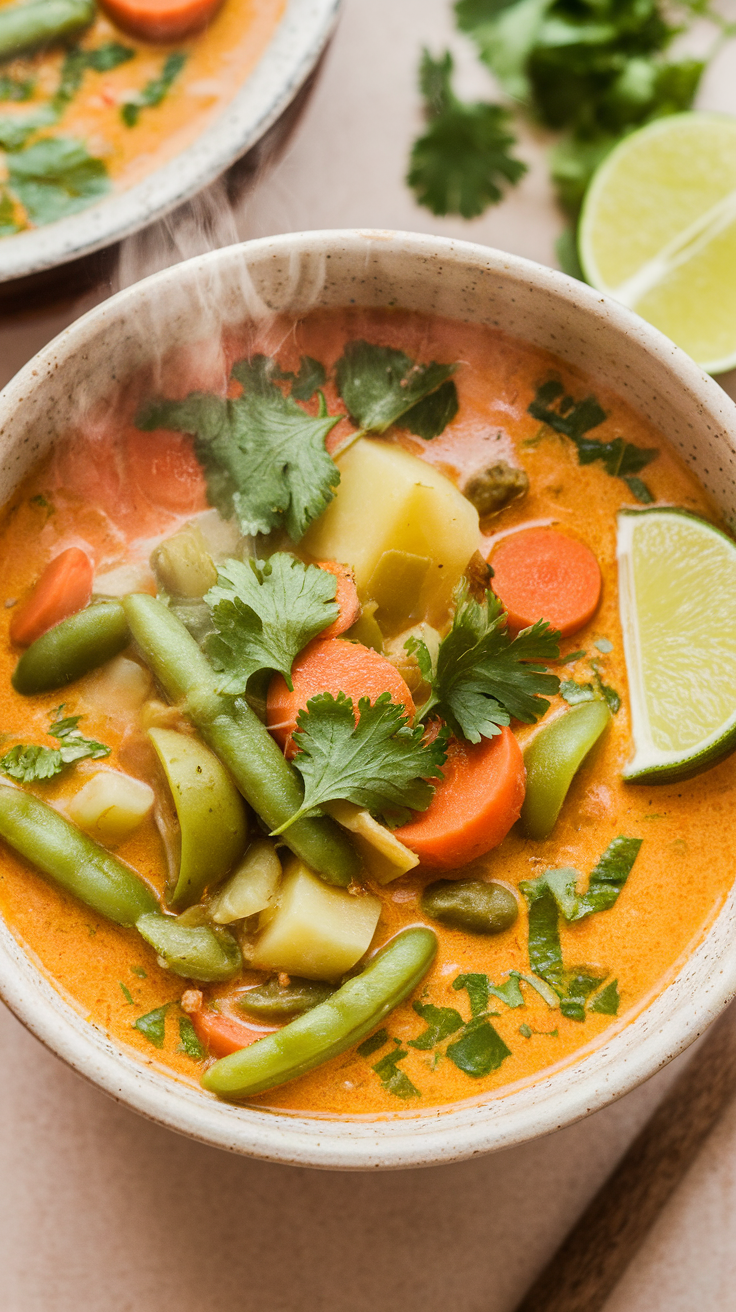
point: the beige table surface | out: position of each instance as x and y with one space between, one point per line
101 1211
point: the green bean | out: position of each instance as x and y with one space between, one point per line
68 857
201 952
351 1013
73 648
552 759
470 904
272 1002
265 778
23 27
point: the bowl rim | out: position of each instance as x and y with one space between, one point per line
594 1077
290 56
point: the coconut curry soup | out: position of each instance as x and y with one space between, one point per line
361 751
95 97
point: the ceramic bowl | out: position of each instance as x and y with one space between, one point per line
287 62
471 283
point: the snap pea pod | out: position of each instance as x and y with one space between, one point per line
201 952
23 27
71 859
271 1001
552 759
71 649
330 1028
265 778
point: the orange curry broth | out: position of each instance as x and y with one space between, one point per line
106 502
219 60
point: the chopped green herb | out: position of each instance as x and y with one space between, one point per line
479 1050
604 645
55 177
265 614
310 377
108 56
461 163
574 693
155 91
42 502
543 989
525 1031
482 676
554 407
153 1026
571 656
8 220
609 695
263 456
188 1041
393 1080
382 386
140 972
579 984
32 764
17 129
126 993
639 489
510 992
476 987
372 1043
380 763
607 1000
441 1023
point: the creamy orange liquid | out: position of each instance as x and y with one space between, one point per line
684 868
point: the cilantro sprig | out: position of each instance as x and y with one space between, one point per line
482 677
265 614
30 764
553 406
380 763
382 386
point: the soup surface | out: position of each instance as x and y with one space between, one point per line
101 109
488 1013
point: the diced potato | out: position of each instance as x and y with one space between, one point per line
123 579
111 805
251 887
184 565
389 500
396 585
315 930
121 686
384 857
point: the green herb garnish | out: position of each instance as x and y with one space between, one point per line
12 88
574 419
126 993
441 1023
382 386
482 677
607 1000
380 763
153 1025
393 1080
29 765
155 91
479 1050
55 177
189 1044
461 163
372 1043
265 614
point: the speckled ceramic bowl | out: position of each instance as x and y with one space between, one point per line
295 274
290 57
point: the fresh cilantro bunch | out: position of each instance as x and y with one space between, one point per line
461 163
263 456
265 614
379 762
382 386
29 765
482 676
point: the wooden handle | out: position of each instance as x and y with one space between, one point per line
591 1260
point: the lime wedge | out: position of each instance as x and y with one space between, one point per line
677 590
658 231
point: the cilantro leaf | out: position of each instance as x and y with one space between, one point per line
552 406
381 385
381 763
263 456
56 177
153 1025
461 162
372 1043
479 1050
310 377
126 993
393 1080
189 1044
30 765
476 987
607 1001
482 676
155 91
574 693
441 1023
265 614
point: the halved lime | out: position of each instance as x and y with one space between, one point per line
658 231
677 590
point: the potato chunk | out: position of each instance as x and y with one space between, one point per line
315 931
251 886
111 805
389 500
385 857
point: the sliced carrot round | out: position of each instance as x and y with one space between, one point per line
331 665
222 1034
161 20
346 598
64 588
474 806
543 574
164 469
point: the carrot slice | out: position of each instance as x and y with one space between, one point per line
164 469
160 20
346 598
64 588
222 1034
474 806
543 574
331 665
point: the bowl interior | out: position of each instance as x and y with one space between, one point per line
294 274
